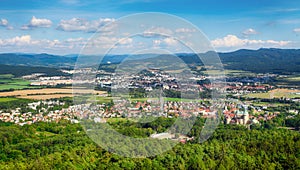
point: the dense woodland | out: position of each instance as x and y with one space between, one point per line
66 146
19 71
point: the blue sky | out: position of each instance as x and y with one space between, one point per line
63 26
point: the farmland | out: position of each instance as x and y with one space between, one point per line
7 99
9 83
46 93
276 93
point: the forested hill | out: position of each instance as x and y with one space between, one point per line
263 60
19 71
259 61
36 60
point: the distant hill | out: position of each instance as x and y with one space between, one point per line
36 60
260 61
263 60
19 71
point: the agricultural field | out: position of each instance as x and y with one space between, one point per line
261 104
6 76
47 93
228 72
46 97
7 82
297 79
276 93
289 80
7 99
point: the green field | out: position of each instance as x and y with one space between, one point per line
16 84
227 72
6 76
7 99
277 93
289 80
293 79
269 104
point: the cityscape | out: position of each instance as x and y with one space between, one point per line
149 84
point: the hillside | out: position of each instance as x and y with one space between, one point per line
19 71
263 60
259 61
36 60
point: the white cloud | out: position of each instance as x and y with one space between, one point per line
27 44
184 30
297 30
4 23
37 22
249 31
156 42
231 42
170 41
125 41
22 40
155 31
77 24
228 41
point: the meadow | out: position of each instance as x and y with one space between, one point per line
7 82
276 93
7 99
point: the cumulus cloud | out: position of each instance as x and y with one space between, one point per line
24 40
26 43
77 24
37 22
18 40
170 41
249 31
234 42
4 23
296 30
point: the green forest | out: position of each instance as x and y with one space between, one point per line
66 146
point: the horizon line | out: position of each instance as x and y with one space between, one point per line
219 52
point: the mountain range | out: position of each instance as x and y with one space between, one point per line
261 61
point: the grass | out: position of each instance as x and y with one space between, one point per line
101 99
269 104
231 72
114 120
290 80
293 79
7 99
277 93
6 76
16 84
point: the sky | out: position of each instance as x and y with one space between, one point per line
65 26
